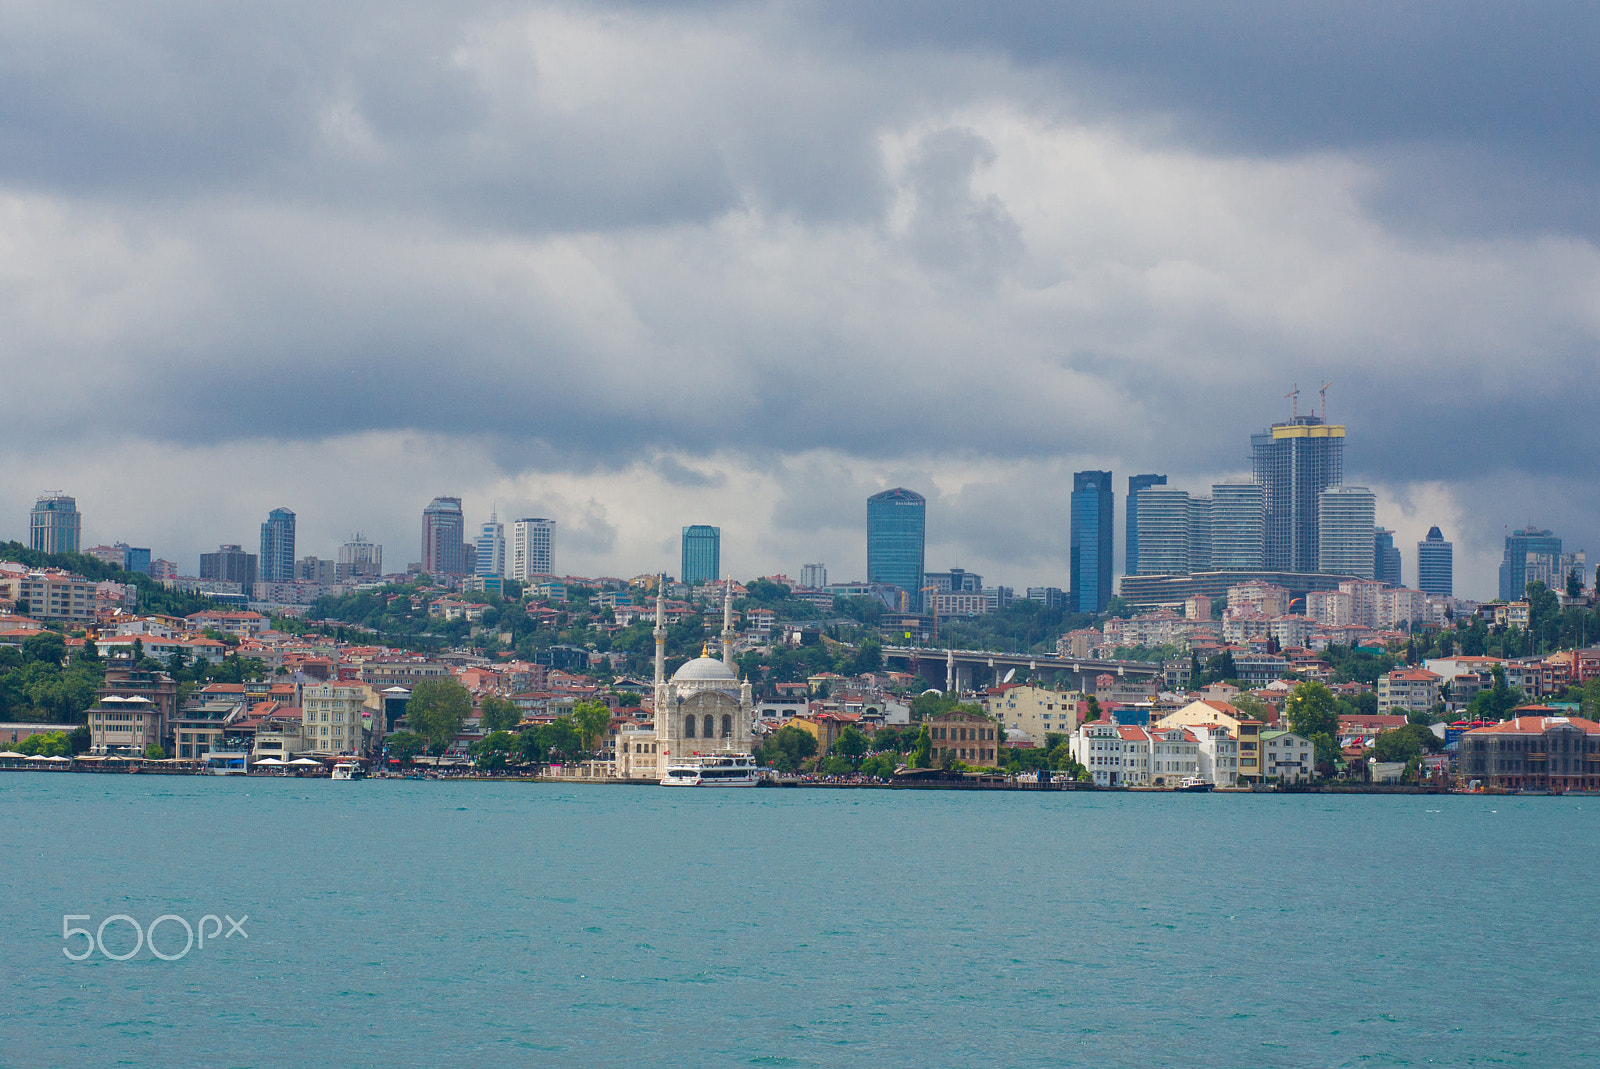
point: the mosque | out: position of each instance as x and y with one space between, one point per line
703 709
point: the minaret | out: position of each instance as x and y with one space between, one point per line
661 650
727 622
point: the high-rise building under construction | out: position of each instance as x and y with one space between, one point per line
1294 463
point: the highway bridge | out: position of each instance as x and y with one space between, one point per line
969 669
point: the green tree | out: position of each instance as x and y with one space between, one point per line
436 710
1497 701
45 744
591 719
922 753
1094 707
498 714
404 746
46 647
494 751
880 765
1312 710
1401 744
851 743
154 752
789 747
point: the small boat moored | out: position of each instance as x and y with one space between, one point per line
712 770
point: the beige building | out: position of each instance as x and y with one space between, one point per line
1246 731
332 715
968 737
1286 757
1035 711
51 595
119 724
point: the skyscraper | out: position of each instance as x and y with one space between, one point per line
1436 565
1238 528
277 547
1520 546
814 575
897 530
530 548
54 525
1294 463
1345 526
1199 534
359 559
1386 558
490 558
702 554
443 530
1161 532
1093 514
1130 530
230 564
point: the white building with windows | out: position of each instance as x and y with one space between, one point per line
335 716
1216 754
1098 747
530 548
1286 757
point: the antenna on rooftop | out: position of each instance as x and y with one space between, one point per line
1294 395
1324 393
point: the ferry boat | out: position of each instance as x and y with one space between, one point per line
348 770
1196 785
712 770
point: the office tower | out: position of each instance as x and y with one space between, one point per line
55 526
1051 597
1345 527
1238 528
1130 530
229 564
277 547
897 529
443 533
1162 529
1532 542
359 559
316 570
1385 558
814 576
134 558
1199 534
1092 518
702 554
530 548
491 548
955 581
1436 565
1294 463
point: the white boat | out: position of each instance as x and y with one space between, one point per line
347 770
712 770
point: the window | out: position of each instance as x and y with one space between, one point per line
710 728
688 726
727 726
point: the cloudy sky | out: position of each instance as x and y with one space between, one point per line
637 265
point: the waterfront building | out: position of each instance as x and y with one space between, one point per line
1245 730
1163 522
1385 557
703 709
276 562
1034 711
1345 531
1099 747
335 715
965 736
1528 542
897 528
1093 515
1238 528
231 564
1436 565
814 576
1136 483
1216 754
530 548
491 549
1534 750
359 558
54 526
1286 757
701 555
443 531
1294 463
133 710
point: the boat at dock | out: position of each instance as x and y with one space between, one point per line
712 770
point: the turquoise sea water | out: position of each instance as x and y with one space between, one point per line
405 923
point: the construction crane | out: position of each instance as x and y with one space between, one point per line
1324 394
1294 395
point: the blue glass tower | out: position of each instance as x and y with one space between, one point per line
1093 516
702 554
1520 545
897 528
1130 562
277 547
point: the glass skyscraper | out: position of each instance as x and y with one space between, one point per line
1520 545
1294 463
1130 530
1093 515
1436 565
530 548
897 530
1386 558
1238 528
1346 531
277 547
444 548
490 558
702 554
54 525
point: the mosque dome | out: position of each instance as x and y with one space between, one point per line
702 669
